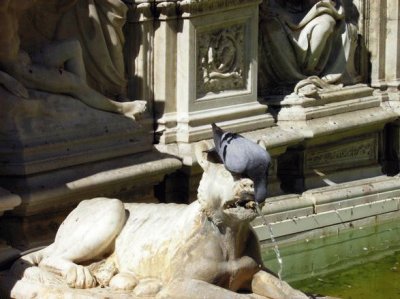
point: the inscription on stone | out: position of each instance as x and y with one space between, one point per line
350 153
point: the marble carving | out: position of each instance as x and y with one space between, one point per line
309 43
221 60
203 250
66 47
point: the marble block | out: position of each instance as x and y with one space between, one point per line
213 77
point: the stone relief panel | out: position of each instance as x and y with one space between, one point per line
221 61
72 48
307 45
352 153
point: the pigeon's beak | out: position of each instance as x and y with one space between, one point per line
260 190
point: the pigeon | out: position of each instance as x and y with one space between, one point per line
245 157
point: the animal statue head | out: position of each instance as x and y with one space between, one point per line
226 198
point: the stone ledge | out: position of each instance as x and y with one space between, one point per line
328 206
63 188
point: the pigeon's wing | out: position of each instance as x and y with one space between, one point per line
234 155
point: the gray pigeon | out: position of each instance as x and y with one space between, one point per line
245 157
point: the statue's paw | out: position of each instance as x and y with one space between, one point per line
80 277
123 281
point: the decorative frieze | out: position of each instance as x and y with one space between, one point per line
342 155
203 6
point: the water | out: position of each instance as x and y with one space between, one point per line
276 248
358 263
374 280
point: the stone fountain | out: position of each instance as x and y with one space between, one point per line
109 100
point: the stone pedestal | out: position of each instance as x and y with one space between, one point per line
342 130
48 132
211 77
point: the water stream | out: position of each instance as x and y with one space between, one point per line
276 248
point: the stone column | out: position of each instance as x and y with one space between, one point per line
139 52
382 29
165 57
382 21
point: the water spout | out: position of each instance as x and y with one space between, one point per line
276 248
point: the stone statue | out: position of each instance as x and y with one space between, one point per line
310 43
47 57
203 250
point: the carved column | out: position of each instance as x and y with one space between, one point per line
139 50
165 57
382 21
382 30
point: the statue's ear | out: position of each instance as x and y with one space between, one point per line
202 151
262 144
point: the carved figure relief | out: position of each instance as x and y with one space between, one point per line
42 50
307 39
221 64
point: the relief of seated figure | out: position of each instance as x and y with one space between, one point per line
309 43
30 59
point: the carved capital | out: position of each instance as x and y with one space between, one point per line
139 10
166 9
189 7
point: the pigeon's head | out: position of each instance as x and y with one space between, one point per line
223 196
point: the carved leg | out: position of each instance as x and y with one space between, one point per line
85 235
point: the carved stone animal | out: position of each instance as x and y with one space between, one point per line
203 250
